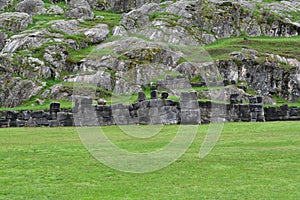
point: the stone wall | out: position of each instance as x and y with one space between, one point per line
153 111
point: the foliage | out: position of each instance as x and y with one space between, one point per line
250 161
264 45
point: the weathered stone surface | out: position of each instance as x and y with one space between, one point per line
5 4
127 5
15 21
97 34
119 31
55 107
154 94
66 26
99 5
171 82
32 7
265 78
164 95
22 89
171 22
141 96
55 10
100 78
146 61
79 9
27 40
3 37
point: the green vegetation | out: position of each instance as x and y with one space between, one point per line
110 18
67 87
279 46
165 16
281 101
250 161
32 105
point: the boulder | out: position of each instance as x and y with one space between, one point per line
55 10
15 21
32 7
4 4
100 78
67 26
127 5
27 40
136 62
119 31
79 9
99 5
141 96
97 34
55 107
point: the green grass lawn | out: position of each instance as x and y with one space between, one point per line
250 161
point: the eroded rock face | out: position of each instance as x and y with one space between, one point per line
100 78
3 37
265 78
97 34
127 5
201 22
32 7
51 63
79 9
119 31
16 87
5 4
144 61
55 10
126 65
15 21
66 26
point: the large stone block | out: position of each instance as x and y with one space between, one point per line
37 114
42 121
188 96
192 104
141 96
3 123
271 114
12 115
154 94
190 117
55 107
24 115
53 123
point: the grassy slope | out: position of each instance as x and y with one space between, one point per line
279 46
251 161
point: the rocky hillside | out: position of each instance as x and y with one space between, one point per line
112 48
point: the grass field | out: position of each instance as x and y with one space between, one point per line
250 161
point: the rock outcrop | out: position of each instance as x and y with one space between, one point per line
135 62
15 21
271 77
200 22
79 9
16 87
32 7
154 38
4 4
